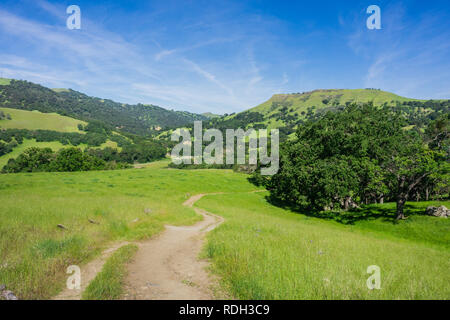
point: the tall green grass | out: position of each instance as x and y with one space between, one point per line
261 251
265 252
108 284
127 205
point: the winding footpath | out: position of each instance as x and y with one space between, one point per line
167 267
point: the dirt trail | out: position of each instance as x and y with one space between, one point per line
88 273
167 267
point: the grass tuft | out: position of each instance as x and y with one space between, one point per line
108 284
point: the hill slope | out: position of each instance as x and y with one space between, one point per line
287 111
138 119
34 120
299 102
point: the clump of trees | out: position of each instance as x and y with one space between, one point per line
141 152
7 147
65 160
74 159
66 138
4 116
361 154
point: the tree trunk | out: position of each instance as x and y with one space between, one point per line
346 203
400 205
382 199
426 194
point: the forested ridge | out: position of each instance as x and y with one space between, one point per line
138 119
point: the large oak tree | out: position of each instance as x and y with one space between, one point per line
358 154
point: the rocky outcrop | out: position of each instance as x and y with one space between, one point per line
6 294
441 211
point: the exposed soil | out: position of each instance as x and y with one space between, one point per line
167 267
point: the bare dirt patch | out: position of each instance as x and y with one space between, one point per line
167 267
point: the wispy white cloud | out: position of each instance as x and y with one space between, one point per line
408 56
222 59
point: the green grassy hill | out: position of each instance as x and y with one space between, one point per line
34 120
288 111
4 81
211 115
281 109
298 102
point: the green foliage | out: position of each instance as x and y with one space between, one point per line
31 160
73 159
360 154
72 138
98 127
143 152
67 159
241 120
7 147
5 116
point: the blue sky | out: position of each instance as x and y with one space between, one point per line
226 56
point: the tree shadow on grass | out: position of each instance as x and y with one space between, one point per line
384 212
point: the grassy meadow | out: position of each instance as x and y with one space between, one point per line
128 205
261 251
4 81
266 252
34 120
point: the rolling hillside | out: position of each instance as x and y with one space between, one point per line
137 119
48 130
34 120
282 109
300 102
287 111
